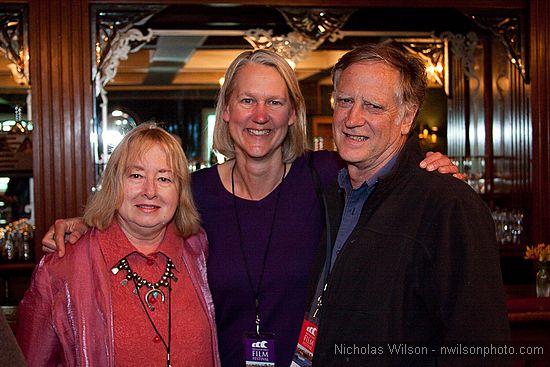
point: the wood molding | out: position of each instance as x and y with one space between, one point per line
463 4
60 69
540 67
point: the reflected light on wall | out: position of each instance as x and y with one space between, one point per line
112 138
211 121
4 181
435 72
20 127
119 124
477 137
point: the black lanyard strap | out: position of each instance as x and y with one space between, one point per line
255 290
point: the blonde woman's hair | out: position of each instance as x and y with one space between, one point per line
101 209
295 142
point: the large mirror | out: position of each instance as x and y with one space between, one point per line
16 182
165 63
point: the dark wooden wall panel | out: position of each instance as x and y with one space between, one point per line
62 107
540 71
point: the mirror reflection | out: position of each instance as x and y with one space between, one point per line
16 126
166 63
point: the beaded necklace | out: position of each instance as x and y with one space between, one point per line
151 296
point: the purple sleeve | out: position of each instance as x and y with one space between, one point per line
327 164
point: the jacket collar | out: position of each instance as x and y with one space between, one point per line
410 155
344 180
408 158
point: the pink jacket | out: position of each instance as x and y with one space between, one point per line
66 316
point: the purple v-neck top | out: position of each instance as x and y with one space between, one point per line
296 233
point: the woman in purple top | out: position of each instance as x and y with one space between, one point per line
292 216
260 210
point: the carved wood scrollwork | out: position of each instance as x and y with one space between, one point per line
510 31
117 35
317 24
463 48
434 52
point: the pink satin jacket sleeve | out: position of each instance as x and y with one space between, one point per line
40 343
65 318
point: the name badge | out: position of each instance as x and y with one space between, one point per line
303 356
259 350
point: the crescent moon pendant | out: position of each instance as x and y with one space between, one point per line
153 292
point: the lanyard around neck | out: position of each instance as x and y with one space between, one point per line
255 290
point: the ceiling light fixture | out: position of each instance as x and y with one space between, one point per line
294 47
311 27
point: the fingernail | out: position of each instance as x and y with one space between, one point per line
431 167
423 164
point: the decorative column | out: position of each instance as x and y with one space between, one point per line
61 87
540 84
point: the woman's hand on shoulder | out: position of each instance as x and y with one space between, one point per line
441 163
63 230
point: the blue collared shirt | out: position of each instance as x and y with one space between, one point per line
354 201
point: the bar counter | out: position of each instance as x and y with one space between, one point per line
523 305
529 318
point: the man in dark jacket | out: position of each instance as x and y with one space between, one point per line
411 268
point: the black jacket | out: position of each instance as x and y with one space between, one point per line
419 271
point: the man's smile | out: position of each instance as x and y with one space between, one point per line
356 137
